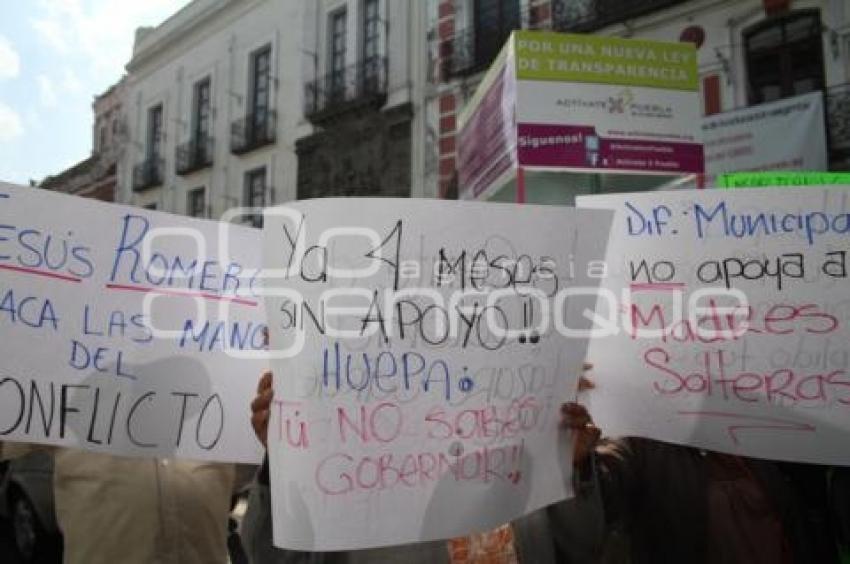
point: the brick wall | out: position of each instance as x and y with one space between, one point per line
450 99
103 190
447 98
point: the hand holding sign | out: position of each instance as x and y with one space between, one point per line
261 407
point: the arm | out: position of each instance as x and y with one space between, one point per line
257 528
616 466
608 468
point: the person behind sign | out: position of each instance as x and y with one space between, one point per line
558 534
257 524
137 510
681 504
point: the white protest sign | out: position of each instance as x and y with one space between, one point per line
731 316
127 331
425 363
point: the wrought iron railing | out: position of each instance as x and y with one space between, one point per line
194 155
473 49
356 86
255 130
469 52
590 15
149 173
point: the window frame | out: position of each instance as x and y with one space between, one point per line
371 33
202 109
337 56
250 193
191 202
260 85
758 73
153 144
490 36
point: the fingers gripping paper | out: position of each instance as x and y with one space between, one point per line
726 317
126 331
421 355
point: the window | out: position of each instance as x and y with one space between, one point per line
590 15
201 118
336 63
784 56
154 145
494 21
371 21
257 127
202 109
101 144
255 193
196 204
711 103
260 88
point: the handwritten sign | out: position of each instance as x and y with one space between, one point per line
420 361
781 178
127 331
727 322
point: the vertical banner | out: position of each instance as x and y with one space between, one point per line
420 357
127 331
726 324
487 135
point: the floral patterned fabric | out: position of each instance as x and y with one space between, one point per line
493 547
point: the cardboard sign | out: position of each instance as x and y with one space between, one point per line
727 322
421 354
127 331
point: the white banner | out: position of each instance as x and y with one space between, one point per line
727 320
784 135
127 331
420 356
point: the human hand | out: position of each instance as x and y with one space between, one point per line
261 407
575 417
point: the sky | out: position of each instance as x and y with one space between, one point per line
55 56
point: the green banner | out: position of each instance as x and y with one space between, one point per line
598 59
790 178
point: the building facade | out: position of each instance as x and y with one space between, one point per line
750 52
364 81
250 103
212 109
96 176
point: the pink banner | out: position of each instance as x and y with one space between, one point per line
571 146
